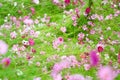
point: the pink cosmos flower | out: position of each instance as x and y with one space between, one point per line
58 77
28 21
75 23
100 47
6 62
3 47
63 29
28 56
38 64
42 52
15 48
81 36
32 32
94 58
57 42
84 27
76 10
25 43
67 1
36 21
76 77
74 17
92 31
106 73
32 10
33 50
36 1
87 66
56 1
31 42
87 11
37 78
13 35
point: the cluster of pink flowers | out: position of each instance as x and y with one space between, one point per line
66 62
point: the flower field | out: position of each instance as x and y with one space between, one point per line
59 39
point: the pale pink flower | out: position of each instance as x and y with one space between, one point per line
93 16
15 47
74 17
13 18
58 77
25 42
84 27
32 32
36 34
42 52
109 17
37 78
48 34
75 23
36 1
87 66
38 64
100 18
106 73
3 47
36 21
81 36
28 21
63 29
22 48
76 77
13 35
55 1
92 31
6 62
57 42
91 23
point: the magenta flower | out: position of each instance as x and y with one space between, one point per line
33 50
118 58
6 62
94 58
31 42
106 73
67 1
100 47
3 47
87 11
